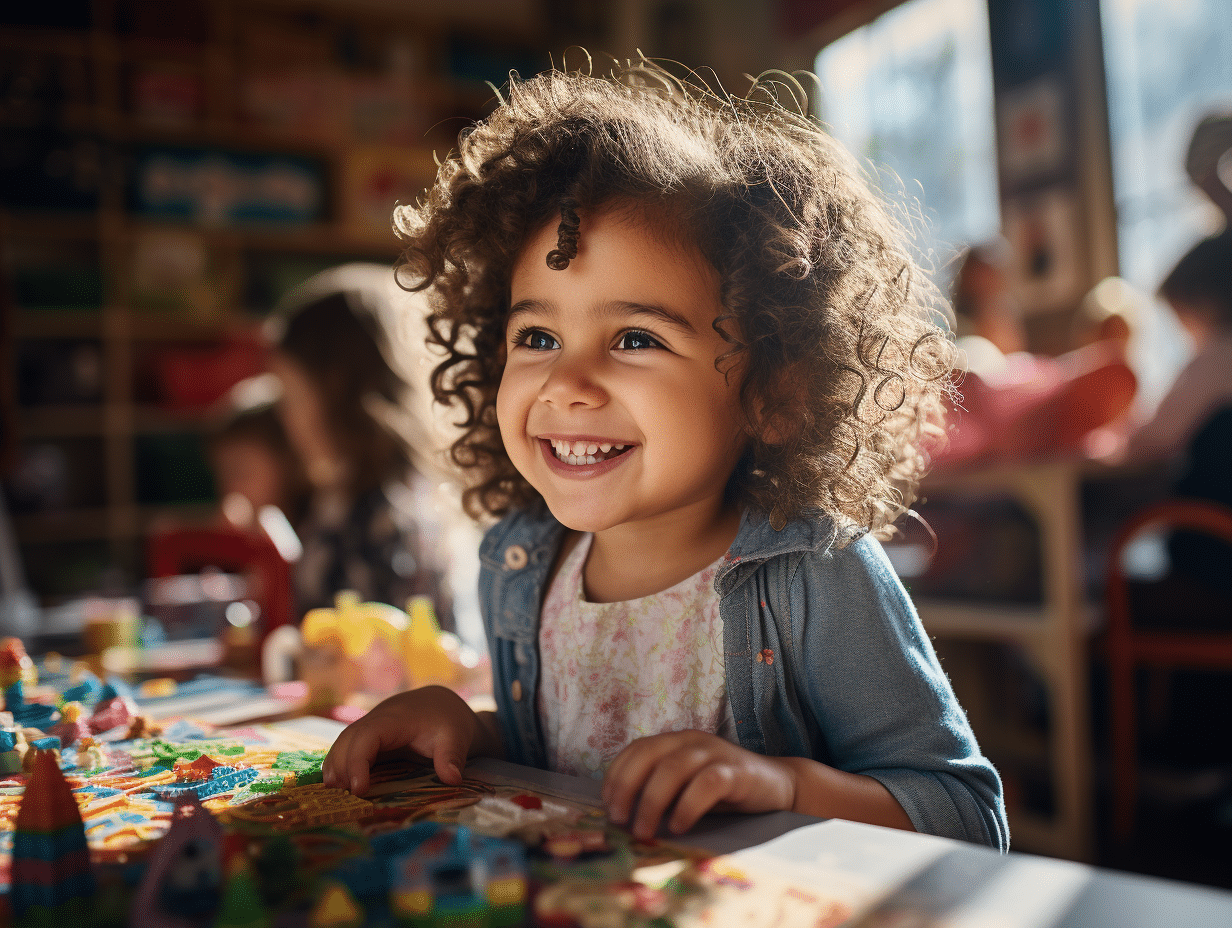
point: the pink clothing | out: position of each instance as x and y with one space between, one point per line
1200 390
615 672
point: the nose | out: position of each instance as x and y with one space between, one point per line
573 381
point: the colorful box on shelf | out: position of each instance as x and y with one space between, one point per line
217 187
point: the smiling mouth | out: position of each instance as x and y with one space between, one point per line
585 452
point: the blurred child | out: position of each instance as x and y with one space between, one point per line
1199 291
988 316
369 524
255 466
696 370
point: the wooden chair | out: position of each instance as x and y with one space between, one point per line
177 551
1129 647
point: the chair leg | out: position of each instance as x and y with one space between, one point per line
1124 747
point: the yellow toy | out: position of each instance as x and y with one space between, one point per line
364 652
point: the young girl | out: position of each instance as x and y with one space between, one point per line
367 525
696 369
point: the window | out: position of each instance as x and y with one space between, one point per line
911 93
1168 65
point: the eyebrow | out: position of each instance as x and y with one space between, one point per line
612 308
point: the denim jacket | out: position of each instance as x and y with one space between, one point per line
824 655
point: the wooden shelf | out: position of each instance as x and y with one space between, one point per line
398 50
64 525
58 323
62 421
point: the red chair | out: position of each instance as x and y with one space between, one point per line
1129 647
177 551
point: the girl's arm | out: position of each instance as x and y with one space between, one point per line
697 772
867 675
827 792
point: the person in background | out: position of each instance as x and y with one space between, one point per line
697 373
370 524
255 465
1018 405
988 316
1199 291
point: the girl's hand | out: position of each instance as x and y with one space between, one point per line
698 771
433 722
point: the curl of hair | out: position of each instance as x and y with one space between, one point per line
845 371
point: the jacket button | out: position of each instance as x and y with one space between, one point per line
515 557
515 690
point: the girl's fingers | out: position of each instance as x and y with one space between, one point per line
710 785
449 757
663 786
627 773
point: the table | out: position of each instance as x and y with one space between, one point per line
900 878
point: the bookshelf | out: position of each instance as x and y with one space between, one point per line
164 178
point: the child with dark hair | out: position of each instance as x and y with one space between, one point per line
696 373
369 525
1199 291
253 460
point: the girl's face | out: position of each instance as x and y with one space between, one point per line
610 404
252 470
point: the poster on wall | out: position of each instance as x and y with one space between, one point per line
1031 131
1048 259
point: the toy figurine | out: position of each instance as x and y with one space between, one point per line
183 881
72 727
51 860
366 651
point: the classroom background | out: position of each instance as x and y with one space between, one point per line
169 174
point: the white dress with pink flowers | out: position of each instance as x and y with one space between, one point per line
615 672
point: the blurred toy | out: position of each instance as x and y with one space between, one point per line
17 671
51 860
115 707
85 685
16 664
184 877
241 905
72 726
371 650
142 727
459 877
336 908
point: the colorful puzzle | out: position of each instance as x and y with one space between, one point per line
181 824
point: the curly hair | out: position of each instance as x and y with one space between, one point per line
838 334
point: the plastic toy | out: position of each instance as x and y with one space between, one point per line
51 860
459 877
72 727
371 650
182 883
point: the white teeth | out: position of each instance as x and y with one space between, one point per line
583 452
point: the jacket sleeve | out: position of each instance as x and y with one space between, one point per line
882 703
